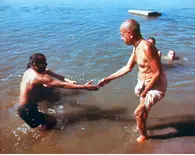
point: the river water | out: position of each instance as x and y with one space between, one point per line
82 42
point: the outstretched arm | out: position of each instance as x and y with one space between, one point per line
50 82
124 70
59 77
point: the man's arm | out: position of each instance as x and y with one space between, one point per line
124 70
50 82
59 77
155 64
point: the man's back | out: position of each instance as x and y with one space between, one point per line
29 87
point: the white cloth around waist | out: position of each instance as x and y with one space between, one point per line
153 95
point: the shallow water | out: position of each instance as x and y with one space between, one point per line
82 42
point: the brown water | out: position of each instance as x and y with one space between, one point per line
84 43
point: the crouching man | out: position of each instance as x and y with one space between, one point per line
34 79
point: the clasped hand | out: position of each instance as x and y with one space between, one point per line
101 83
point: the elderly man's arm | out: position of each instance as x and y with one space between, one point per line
124 70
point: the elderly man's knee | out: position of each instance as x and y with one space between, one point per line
140 112
137 113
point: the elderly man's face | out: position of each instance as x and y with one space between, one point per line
126 36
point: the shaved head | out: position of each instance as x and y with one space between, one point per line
130 32
131 25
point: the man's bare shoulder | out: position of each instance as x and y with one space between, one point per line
147 45
34 77
149 48
42 78
29 74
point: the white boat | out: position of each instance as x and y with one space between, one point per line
145 13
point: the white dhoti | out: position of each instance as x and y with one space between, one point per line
155 94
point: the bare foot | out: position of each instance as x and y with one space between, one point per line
141 139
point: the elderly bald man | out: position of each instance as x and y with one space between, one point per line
152 82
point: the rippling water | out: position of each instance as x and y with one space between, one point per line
82 42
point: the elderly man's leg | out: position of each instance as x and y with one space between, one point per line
141 116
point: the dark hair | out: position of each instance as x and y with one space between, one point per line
151 38
36 58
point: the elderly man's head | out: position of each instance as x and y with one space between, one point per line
129 29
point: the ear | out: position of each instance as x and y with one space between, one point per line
131 34
34 64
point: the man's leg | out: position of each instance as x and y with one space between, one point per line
141 114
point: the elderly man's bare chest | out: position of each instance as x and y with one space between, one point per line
141 58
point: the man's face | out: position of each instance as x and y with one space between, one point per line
171 54
126 36
41 65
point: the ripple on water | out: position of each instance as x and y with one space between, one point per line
83 44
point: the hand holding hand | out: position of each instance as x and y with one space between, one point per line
103 82
88 86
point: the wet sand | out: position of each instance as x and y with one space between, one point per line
87 127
